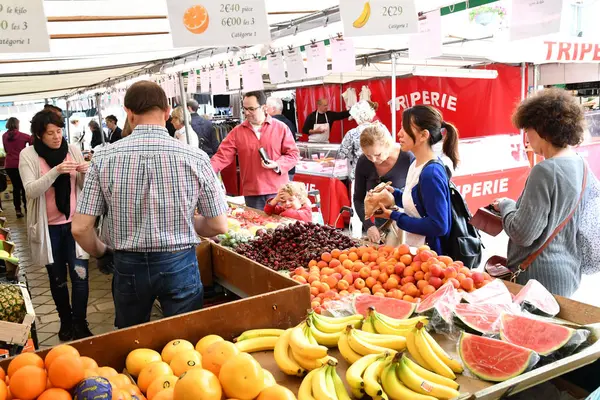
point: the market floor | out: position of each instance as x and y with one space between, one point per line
100 311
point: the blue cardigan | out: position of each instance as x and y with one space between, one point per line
436 208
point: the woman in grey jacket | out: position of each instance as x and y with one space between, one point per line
53 174
553 122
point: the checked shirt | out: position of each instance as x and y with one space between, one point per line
148 186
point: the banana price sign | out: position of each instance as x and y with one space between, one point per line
379 17
196 23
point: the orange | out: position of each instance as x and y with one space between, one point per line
159 384
335 253
106 372
198 384
28 383
276 392
66 371
242 377
406 259
89 363
353 256
195 19
166 394
3 390
22 360
139 358
120 380
184 361
326 257
312 263
55 394
173 347
59 351
151 372
207 341
2 374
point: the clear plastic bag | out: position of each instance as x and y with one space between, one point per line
536 299
494 292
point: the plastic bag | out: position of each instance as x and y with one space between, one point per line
494 292
482 319
536 299
439 306
343 307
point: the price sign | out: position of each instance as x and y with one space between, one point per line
196 23
23 27
530 18
204 81
276 68
252 76
218 81
316 56
343 55
428 43
379 17
295 65
192 86
233 77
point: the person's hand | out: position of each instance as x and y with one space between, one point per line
373 234
83 167
390 189
496 203
384 213
66 167
270 165
322 129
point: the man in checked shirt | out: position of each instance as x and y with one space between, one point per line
149 185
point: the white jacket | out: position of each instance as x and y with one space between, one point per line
36 187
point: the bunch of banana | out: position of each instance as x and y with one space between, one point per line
257 340
323 383
404 379
430 355
363 375
354 344
327 330
304 349
379 323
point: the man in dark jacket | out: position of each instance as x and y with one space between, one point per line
204 129
274 109
318 124
114 131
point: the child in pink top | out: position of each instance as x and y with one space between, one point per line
291 202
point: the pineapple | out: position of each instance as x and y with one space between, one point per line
12 304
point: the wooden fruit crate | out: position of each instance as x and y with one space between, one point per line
18 334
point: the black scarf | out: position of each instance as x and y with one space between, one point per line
62 184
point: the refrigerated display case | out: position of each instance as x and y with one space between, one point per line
320 159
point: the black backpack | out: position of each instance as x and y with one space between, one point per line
463 242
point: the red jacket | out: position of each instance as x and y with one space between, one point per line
302 214
14 142
280 146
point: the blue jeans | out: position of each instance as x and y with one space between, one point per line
65 259
140 278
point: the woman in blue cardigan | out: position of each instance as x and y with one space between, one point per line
426 216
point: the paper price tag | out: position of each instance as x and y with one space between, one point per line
218 81
233 77
530 18
192 85
379 17
23 27
295 65
204 81
317 60
428 43
252 76
343 56
276 68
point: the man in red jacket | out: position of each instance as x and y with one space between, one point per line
260 180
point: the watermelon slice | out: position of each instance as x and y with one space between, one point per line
494 360
494 292
536 299
441 303
481 319
393 308
540 336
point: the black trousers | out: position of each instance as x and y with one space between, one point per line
18 189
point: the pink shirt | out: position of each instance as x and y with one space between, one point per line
276 138
55 217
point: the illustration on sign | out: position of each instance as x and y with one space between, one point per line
196 19
364 16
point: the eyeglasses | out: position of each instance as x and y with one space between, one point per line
251 109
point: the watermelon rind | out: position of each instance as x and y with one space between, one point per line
536 299
480 319
499 352
540 336
393 308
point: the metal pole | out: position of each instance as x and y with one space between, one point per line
536 77
523 95
67 124
184 105
98 108
394 131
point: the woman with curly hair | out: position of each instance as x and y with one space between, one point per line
554 123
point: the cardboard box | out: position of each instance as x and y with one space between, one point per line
19 333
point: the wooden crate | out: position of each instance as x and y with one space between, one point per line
19 333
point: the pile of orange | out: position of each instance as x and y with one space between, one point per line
384 271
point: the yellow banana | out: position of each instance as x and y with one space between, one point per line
383 327
305 390
436 364
282 353
340 389
371 378
329 339
308 363
396 389
420 385
256 344
454 365
363 347
364 16
428 375
349 320
402 323
320 388
255 333
388 341
300 342
355 372
357 393
414 350
368 326
346 351
329 380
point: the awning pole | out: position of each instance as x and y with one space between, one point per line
68 128
393 103
523 95
98 108
184 105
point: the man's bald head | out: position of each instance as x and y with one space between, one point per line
322 105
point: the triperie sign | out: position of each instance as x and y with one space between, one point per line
557 51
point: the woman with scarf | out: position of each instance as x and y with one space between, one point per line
14 142
53 174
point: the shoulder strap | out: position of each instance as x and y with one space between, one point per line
529 260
